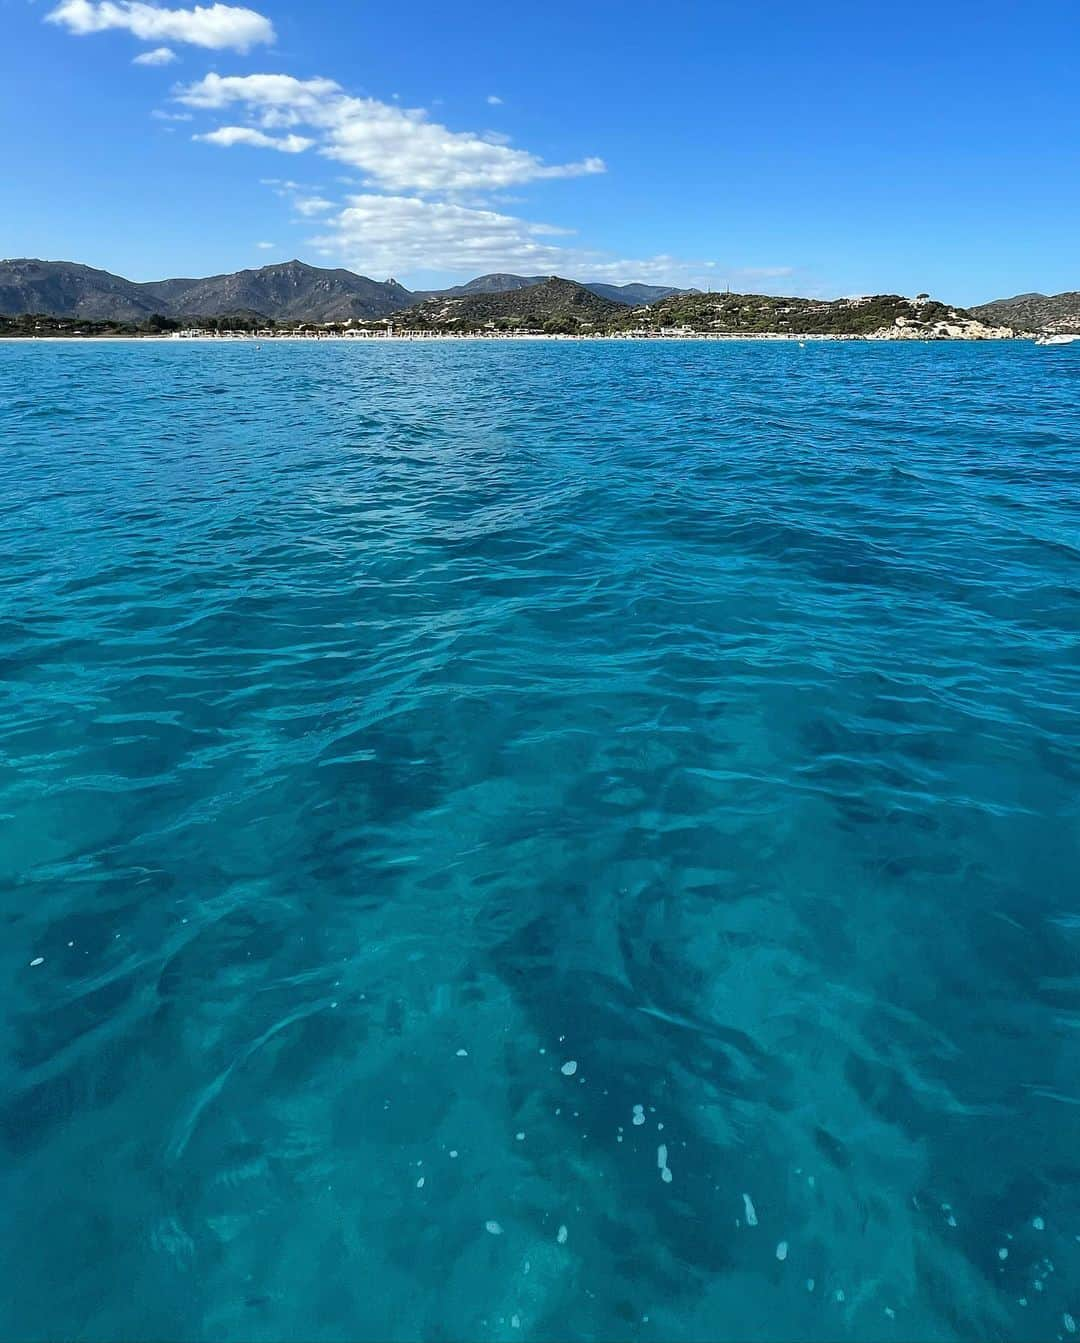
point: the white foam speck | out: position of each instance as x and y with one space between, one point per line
809 1284
781 1251
839 1294
515 1321
1003 1253
751 1211
463 1053
639 1115
662 1165
951 1220
528 1268
493 1228
38 960
1069 1323
569 1068
890 1312
1038 1224
453 1154
420 1183
562 1235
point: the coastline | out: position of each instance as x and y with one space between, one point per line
505 336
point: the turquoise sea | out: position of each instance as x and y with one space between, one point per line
539 841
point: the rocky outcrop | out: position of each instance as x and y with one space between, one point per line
953 327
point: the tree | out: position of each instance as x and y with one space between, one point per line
158 323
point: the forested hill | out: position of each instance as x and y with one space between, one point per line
1035 312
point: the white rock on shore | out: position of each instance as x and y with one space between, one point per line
956 328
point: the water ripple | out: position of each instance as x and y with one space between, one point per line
383 728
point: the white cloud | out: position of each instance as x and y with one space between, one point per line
227 136
425 203
494 100
312 205
399 148
159 56
266 246
159 115
402 234
218 27
386 234
282 91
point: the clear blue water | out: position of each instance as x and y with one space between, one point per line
707 716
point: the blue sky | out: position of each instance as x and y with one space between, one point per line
828 148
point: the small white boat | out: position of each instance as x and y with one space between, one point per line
1060 339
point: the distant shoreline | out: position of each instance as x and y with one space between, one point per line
504 336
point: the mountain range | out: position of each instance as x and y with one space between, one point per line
631 295
553 303
292 290
1035 312
296 292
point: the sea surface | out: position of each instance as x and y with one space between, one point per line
539 841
